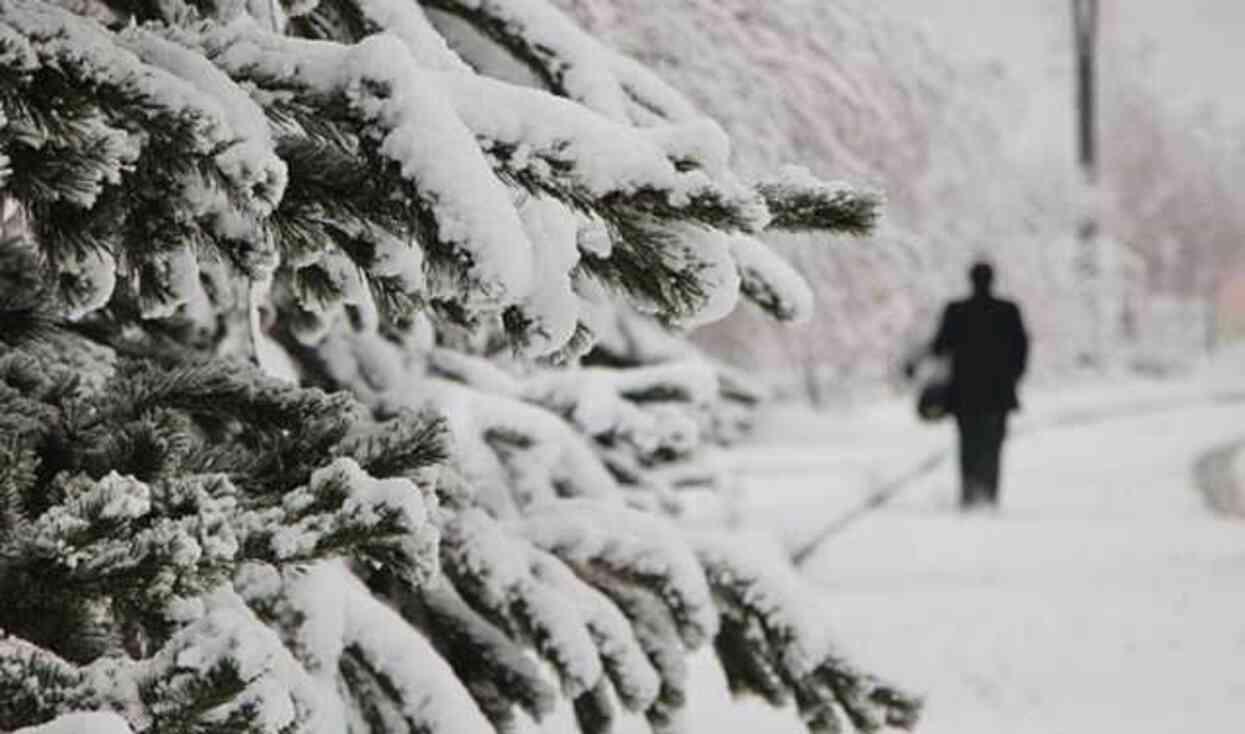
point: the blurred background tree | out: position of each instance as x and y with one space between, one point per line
865 88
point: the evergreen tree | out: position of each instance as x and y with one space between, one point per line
302 427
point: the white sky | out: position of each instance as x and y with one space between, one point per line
1196 48
1194 51
1198 45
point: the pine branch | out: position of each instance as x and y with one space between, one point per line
657 633
770 643
497 671
400 446
799 202
645 264
36 685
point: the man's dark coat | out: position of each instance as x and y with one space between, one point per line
986 341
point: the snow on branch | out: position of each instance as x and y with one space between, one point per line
650 426
202 169
493 569
164 79
554 145
250 158
224 671
94 722
227 648
435 224
570 62
771 282
644 421
406 20
371 667
418 130
27 43
630 673
553 309
542 456
654 426
341 508
122 564
615 617
636 545
38 687
497 670
658 635
380 646
774 641
602 401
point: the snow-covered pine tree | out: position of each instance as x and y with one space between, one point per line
457 518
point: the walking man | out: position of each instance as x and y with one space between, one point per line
985 339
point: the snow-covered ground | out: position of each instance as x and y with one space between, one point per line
1103 597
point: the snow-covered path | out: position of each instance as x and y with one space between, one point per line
1104 596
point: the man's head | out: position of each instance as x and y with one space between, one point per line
982 277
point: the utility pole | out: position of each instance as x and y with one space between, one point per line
1085 29
1085 35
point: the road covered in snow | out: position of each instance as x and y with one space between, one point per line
1104 596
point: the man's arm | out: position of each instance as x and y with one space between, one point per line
1020 357
944 340
939 346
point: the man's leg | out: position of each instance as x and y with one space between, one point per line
995 431
961 425
972 489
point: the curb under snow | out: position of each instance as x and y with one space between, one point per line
1220 474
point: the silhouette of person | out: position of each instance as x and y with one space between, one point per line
985 339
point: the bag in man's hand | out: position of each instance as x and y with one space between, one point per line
933 402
